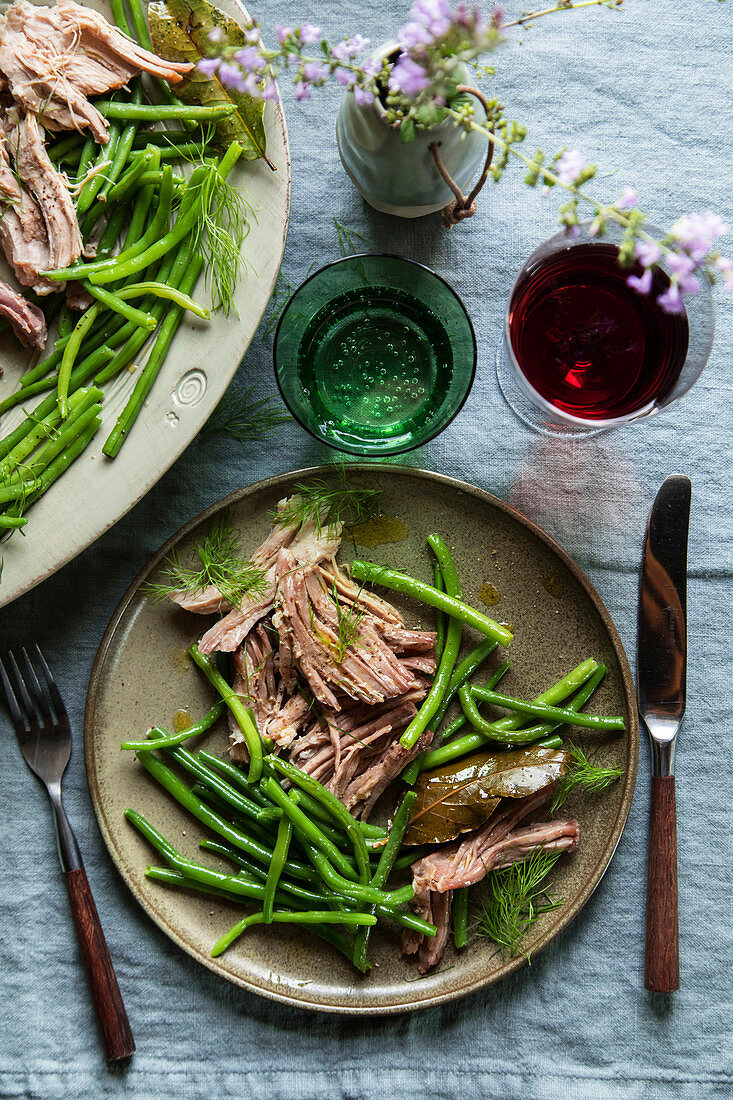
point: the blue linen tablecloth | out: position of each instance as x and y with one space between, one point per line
645 91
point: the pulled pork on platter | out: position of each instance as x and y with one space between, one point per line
52 59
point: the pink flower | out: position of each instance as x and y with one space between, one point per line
208 66
725 267
433 14
413 35
283 34
408 77
363 96
216 35
647 253
309 34
315 70
628 199
641 284
249 58
497 16
671 300
231 76
350 47
569 165
270 91
345 77
695 233
302 90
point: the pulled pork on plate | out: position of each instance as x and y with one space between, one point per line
333 677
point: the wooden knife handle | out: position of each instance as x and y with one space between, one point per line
662 971
111 1016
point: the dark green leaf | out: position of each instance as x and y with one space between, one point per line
460 798
180 31
408 131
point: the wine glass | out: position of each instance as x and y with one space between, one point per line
583 352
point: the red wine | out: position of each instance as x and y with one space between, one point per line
587 342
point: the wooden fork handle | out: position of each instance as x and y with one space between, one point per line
106 997
662 971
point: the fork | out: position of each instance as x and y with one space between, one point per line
42 724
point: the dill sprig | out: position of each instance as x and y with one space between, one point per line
584 774
217 560
326 504
348 623
220 234
347 237
514 899
246 419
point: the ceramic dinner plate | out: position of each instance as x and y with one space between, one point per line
96 492
142 677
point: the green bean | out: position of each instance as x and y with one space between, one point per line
91 188
410 857
439 616
118 304
86 155
312 787
87 367
66 145
12 521
294 888
118 16
65 323
70 353
408 586
126 265
279 856
124 145
372 833
83 404
556 715
127 181
307 831
60 464
235 884
213 715
586 671
259 831
178 789
460 918
357 891
462 672
229 794
159 137
458 722
550 743
162 290
434 698
493 731
324 917
239 712
147 376
158 112
235 775
386 862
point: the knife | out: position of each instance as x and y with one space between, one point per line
661 670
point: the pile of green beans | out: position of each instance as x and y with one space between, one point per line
128 197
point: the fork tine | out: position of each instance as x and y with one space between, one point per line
39 694
17 718
31 711
51 684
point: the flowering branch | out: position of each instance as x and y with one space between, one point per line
418 87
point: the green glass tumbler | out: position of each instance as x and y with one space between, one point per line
374 354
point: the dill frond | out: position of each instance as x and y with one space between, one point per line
246 419
348 623
583 774
346 238
218 561
325 504
514 899
220 234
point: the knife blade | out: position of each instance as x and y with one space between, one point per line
661 680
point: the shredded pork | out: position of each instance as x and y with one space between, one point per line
26 320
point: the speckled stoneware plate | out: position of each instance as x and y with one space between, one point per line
142 677
96 492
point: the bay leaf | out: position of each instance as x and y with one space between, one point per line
179 30
457 799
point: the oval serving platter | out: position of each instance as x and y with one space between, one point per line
96 492
142 677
